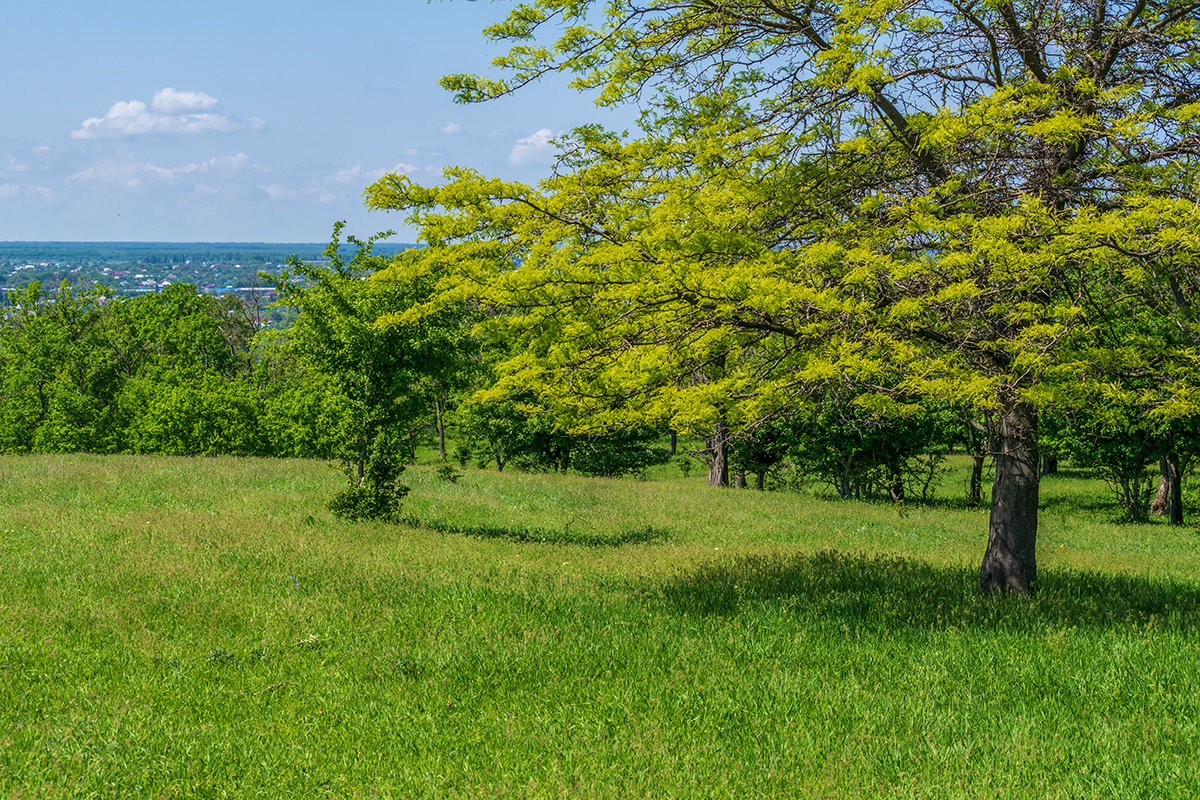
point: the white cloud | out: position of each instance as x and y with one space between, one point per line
172 101
169 112
360 176
353 175
14 164
343 184
124 173
451 127
277 192
535 148
130 173
234 163
10 190
402 168
356 176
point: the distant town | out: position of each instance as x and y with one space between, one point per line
131 268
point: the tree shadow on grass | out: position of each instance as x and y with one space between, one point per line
898 594
1099 507
641 535
1071 474
1090 504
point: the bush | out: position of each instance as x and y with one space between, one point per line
378 493
863 454
618 453
448 473
1123 455
369 501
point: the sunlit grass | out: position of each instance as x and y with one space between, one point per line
181 627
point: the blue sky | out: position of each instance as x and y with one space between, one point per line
249 121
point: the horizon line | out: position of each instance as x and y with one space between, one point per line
171 241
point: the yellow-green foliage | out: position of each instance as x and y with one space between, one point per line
816 188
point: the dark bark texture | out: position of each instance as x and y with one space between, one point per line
1175 482
975 492
718 455
978 445
1162 498
1168 501
1009 563
441 428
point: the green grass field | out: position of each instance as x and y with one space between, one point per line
204 628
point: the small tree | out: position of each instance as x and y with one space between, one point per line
371 368
763 449
378 493
863 454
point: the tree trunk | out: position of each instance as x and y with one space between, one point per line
1009 563
361 466
739 480
844 480
1162 498
978 444
1049 464
674 441
441 428
975 493
760 480
718 455
1175 480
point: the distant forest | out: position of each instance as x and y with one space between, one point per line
169 252
117 264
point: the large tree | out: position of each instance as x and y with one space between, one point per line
965 194
651 281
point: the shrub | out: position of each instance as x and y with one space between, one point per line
377 493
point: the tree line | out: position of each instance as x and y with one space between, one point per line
835 219
182 372
351 380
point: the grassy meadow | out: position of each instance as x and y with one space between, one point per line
175 627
